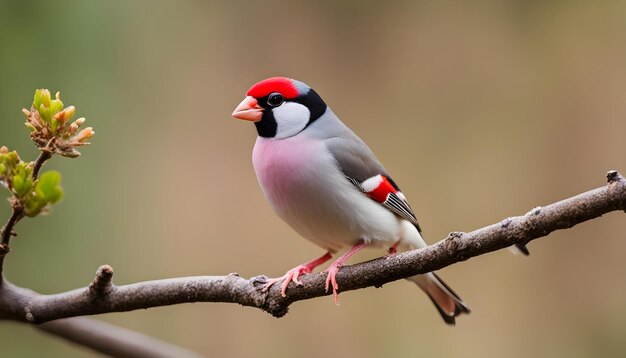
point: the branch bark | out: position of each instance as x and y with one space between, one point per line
103 296
112 340
44 154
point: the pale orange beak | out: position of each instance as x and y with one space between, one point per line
248 110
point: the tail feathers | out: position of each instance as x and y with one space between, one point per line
447 302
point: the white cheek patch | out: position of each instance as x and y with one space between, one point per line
291 118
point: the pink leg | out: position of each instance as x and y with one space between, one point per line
394 248
294 274
335 266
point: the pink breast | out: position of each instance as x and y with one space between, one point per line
284 167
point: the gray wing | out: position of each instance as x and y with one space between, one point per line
355 158
358 163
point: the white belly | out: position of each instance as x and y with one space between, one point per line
305 188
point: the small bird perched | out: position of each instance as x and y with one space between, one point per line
326 183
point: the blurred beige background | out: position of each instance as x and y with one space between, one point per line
479 111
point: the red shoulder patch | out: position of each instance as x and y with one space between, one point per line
378 188
281 85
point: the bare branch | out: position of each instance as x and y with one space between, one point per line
7 229
44 155
102 296
112 340
37 308
6 232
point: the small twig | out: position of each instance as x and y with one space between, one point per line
45 153
101 284
6 232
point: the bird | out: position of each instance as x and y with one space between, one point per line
325 182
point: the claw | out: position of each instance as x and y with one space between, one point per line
331 279
289 276
296 280
294 274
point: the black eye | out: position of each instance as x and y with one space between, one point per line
275 99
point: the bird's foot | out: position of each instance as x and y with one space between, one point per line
294 274
394 248
289 276
332 270
331 279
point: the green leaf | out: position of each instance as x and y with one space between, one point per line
48 188
55 107
44 112
33 207
22 185
12 159
54 124
46 98
18 184
47 191
38 98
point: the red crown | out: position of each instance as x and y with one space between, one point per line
281 85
